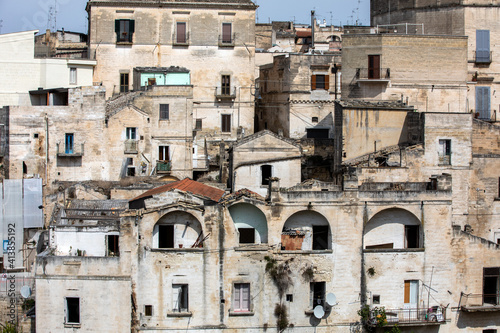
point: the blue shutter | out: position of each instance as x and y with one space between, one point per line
69 144
482 46
483 102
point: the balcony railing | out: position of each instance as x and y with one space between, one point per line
482 57
479 302
432 316
163 166
373 74
131 147
225 40
178 40
225 93
69 151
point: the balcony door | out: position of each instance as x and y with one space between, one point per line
491 285
374 67
410 299
163 153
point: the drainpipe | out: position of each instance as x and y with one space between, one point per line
46 149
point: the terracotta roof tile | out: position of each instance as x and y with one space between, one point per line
186 185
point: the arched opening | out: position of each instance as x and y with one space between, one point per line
250 222
177 230
393 229
306 230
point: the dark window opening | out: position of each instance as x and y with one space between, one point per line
320 237
35 135
180 297
317 294
314 119
69 140
124 30
320 82
131 133
123 82
247 235
266 172
113 245
130 167
374 66
151 81
148 310
181 37
444 152
490 331
226 123
199 124
376 299
226 85
164 109
163 153
72 310
289 297
166 236
317 133
412 235
25 168
491 285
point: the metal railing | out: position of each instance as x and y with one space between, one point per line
480 300
131 146
482 57
225 40
178 40
435 314
225 92
163 166
401 28
373 74
69 151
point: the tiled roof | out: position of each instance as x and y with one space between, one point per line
186 185
243 193
303 32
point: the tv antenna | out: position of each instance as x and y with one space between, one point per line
1 21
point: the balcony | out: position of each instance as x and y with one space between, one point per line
482 57
180 40
479 302
69 151
163 167
373 74
131 146
227 41
225 93
435 315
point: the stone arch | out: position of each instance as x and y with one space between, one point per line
250 222
393 228
306 230
176 229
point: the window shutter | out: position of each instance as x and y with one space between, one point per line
117 30
313 82
483 102
181 32
131 30
176 298
482 45
236 297
327 82
226 32
245 297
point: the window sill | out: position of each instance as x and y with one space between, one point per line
69 155
179 314
188 249
252 247
241 313
421 249
447 165
72 325
124 43
306 251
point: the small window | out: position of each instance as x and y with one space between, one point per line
151 81
163 153
491 285
112 245
490 331
241 297
148 310
314 119
165 236
227 37
130 167
266 173
180 298
181 36
376 299
320 237
320 82
444 152
123 82
72 310
225 85
199 124
69 143
131 133
412 235
124 30
25 168
164 111
35 136
247 235
318 133
72 75
289 297
317 294
226 123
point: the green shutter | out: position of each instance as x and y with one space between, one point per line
117 30
131 30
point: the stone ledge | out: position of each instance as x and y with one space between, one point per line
241 314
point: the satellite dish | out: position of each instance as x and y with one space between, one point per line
26 291
319 312
331 299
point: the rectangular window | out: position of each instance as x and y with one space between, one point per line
227 33
112 245
483 46
180 298
320 237
317 294
266 173
490 331
412 235
123 82
320 82
199 124
148 310
181 36
374 66
444 152
225 85
72 310
164 115
131 133
483 103
411 292
247 235
69 143
165 236
376 299
491 285
226 123
124 30
130 167
241 297
72 75
163 153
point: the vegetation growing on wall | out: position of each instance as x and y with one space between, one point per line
373 318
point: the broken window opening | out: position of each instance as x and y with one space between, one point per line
317 294
491 285
72 310
241 297
320 237
180 298
247 235
412 236
166 236
266 173
112 245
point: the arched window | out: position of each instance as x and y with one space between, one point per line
306 230
177 230
250 222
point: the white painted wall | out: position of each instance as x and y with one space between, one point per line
92 242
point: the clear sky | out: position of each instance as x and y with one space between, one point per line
21 15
